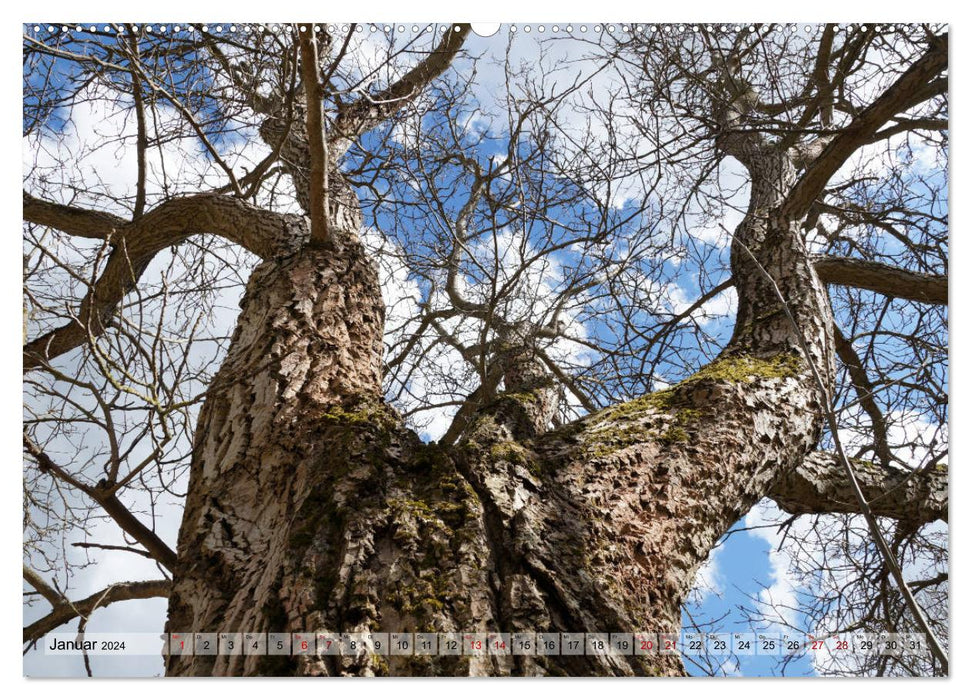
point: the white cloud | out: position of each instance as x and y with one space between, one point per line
94 156
730 667
778 600
910 435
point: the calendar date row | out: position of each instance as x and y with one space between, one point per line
542 644
482 643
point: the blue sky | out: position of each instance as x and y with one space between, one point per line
742 571
742 568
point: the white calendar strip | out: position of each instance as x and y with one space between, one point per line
106 644
481 644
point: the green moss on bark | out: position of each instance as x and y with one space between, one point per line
368 413
748 368
630 423
514 453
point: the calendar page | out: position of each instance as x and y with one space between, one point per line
536 349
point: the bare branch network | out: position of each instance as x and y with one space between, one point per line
398 328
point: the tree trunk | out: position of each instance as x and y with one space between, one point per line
311 508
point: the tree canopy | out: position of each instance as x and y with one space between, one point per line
568 197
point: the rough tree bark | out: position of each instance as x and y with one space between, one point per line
311 506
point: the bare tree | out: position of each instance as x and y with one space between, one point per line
601 438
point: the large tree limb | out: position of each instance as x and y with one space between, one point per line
319 228
469 409
884 279
364 114
256 229
67 611
75 221
42 587
899 96
262 232
819 485
143 534
901 125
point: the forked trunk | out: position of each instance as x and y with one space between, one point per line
311 508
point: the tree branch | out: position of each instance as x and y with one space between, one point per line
819 485
467 412
260 231
865 393
901 125
899 96
74 221
319 229
144 535
128 590
256 229
884 279
104 496
40 585
141 139
370 110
